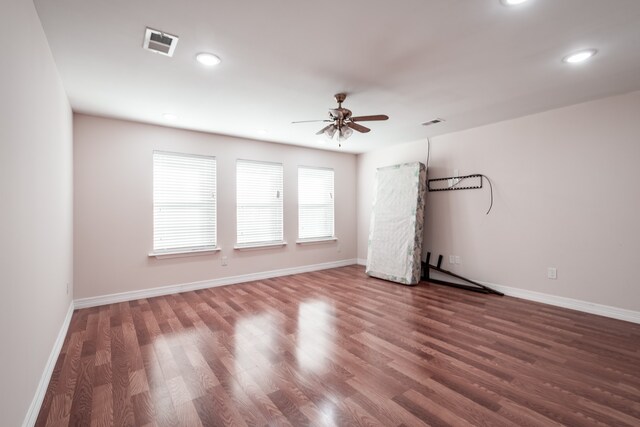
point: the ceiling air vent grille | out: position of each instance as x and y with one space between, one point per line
159 42
433 122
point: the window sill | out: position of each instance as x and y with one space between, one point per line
316 241
179 253
259 246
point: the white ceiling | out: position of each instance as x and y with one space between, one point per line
471 62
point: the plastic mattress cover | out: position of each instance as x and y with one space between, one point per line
397 221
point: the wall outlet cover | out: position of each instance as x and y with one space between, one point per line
552 273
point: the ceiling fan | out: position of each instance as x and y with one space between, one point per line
342 123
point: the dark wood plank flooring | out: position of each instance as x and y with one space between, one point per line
339 348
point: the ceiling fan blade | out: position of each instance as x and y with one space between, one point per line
312 121
321 131
358 127
369 118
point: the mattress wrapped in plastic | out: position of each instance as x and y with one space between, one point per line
397 219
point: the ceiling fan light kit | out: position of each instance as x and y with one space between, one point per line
329 131
342 122
345 133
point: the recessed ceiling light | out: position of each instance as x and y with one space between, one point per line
208 59
512 2
580 56
170 117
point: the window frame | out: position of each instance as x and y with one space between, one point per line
260 244
318 239
171 252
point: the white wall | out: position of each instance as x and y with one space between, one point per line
114 207
36 211
566 195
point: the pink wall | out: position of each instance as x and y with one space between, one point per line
566 196
36 208
114 216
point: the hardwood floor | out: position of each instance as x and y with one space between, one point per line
339 348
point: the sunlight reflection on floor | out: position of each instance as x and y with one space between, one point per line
314 343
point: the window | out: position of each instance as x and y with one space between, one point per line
315 203
259 203
184 202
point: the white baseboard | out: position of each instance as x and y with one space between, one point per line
194 286
362 261
573 304
558 301
36 403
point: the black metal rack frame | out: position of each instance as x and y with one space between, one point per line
475 286
455 187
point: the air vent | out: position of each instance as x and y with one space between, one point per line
159 42
433 122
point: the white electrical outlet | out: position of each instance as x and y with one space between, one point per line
225 261
339 248
452 259
457 259
67 289
552 273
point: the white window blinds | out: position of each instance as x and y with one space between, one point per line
259 203
315 203
184 202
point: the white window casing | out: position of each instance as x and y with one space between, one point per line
184 203
259 200
315 204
